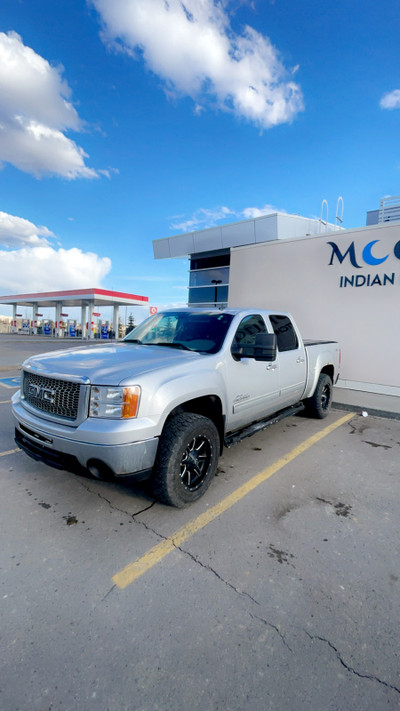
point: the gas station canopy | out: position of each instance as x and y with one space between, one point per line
87 299
76 297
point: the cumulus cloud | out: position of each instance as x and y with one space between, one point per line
43 268
18 232
210 217
29 262
390 100
252 212
35 113
202 218
191 45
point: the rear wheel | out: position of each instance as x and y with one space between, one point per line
187 459
320 403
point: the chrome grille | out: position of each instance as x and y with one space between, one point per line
56 397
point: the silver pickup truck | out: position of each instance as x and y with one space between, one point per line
164 401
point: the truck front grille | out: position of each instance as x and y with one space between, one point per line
55 397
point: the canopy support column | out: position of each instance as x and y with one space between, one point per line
14 319
116 320
33 329
57 330
90 320
83 320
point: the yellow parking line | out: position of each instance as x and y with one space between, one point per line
134 570
10 451
3 402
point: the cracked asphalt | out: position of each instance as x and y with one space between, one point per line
288 600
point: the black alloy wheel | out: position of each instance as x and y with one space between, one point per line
187 459
196 462
319 404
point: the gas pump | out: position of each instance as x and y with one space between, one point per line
104 329
47 327
37 325
71 328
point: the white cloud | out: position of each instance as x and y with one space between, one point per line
204 218
43 268
35 113
32 264
390 100
252 212
193 48
18 232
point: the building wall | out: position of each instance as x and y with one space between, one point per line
372 217
304 277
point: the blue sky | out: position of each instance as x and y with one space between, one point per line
124 121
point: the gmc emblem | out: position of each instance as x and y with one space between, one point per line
41 393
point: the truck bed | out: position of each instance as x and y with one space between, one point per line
311 342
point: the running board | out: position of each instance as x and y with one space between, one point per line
235 437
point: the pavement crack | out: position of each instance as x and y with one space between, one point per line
274 627
350 669
116 508
377 444
108 593
242 593
147 508
149 528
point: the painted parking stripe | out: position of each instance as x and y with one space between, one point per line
135 570
3 402
10 382
10 451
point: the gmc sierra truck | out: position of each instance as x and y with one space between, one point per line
163 402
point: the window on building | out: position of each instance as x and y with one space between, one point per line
208 296
209 279
210 260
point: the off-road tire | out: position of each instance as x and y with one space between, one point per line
319 404
187 459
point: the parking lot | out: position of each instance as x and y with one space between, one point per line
277 590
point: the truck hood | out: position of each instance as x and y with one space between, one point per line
111 364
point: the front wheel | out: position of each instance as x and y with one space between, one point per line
187 459
320 403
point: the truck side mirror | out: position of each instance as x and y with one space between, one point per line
265 347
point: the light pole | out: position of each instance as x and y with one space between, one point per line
216 282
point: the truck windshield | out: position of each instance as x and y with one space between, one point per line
201 331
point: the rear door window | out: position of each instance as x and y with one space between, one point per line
285 333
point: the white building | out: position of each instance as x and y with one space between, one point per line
389 211
210 250
338 284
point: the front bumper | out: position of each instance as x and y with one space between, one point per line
48 444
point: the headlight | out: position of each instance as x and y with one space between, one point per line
115 403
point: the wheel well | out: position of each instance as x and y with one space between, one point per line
209 406
329 370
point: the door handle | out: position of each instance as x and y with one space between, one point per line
300 360
272 367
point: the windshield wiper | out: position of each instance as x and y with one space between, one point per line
181 346
134 340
